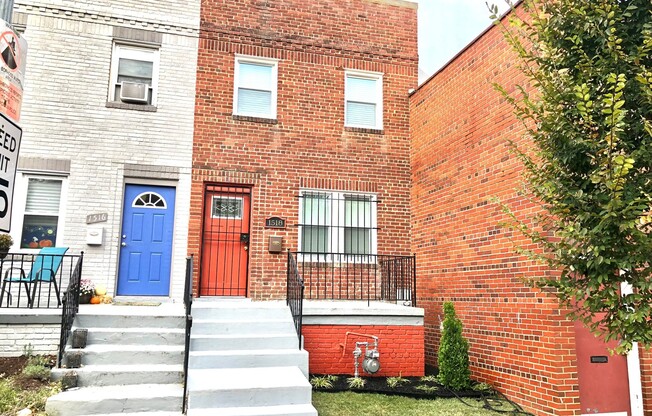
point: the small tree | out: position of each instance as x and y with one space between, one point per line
453 352
588 116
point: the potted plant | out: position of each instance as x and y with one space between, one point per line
86 290
5 244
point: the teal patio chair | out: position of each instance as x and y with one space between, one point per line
44 269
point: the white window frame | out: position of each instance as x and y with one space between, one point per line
20 201
136 52
245 59
378 99
336 233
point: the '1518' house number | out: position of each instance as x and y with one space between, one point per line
274 222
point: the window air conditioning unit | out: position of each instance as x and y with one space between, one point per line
133 92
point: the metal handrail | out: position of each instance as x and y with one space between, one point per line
295 294
187 301
70 307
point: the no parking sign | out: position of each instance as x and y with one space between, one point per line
13 53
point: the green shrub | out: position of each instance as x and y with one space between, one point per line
356 382
323 382
453 355
394 382
425 388
37 372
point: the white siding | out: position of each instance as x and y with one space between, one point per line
64 114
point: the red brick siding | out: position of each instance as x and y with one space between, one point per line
520 341
308 146
400 347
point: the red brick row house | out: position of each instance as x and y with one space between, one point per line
302 145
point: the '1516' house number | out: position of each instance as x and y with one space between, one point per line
274 222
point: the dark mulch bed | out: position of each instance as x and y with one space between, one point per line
13 366
411 387
10 366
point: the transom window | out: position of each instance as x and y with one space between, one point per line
226 207
363 94
337 223
255 90
149 200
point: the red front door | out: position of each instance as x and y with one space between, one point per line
603 378
225 241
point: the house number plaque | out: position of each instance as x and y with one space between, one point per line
95 218
275 222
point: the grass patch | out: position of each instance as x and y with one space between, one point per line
355 404
13 397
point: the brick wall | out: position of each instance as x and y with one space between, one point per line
400 347
308 145
520 340
42 338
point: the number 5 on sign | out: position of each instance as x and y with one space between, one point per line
10 135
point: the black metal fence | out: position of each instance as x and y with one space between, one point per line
37 280
369 277
70 306
295 293
187 301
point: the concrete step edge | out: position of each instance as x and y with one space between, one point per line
246 378
105 348
129 367
152 330
83 394
278 351
280 410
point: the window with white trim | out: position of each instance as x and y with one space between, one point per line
340 224
134 74
38 211
363 95
255 87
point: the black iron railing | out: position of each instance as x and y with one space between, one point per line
36 280
187 301
70 306
295 293
366 277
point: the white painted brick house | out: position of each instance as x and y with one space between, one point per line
88 150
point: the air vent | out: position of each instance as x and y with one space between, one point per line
132 92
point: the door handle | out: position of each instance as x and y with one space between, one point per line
123 244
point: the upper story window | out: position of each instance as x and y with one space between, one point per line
255 87
134 74
363 95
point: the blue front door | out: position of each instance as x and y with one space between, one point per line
146 241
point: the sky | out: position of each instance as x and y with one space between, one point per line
447 26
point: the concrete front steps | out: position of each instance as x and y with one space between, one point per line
132 363
245 361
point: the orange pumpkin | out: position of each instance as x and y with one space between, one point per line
96 300
45 243
33 244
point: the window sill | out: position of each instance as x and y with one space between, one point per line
255 119
126 106
364 130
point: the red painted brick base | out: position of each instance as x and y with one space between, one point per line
401 348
